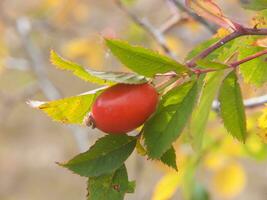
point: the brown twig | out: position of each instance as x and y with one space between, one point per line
251 57
241 32
233 64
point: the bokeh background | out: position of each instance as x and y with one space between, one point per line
31 143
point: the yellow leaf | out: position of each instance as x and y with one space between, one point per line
167 186
230 180
71 110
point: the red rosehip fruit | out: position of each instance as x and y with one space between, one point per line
123 107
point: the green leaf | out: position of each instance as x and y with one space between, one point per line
202 109
143 61
71 110
254 4
106 155
169 158
207 64
232 108
201 47
79 71
111 186
254 71
120 77
165 126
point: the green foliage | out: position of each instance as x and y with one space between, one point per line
105 156
255 4
110 186
169 158
232 108
207 64
201 113
254 71
201 47
101 78
77 70
190 100
143 61
168 122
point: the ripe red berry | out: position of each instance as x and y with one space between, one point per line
123 107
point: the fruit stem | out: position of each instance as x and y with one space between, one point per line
89 121
161 86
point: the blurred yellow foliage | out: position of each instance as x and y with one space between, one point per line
230 180
214 161
259 20
52 3
262 123
193 26
167 186
87 49
221 32
263 135
250 123
175 45
231 146
172 180
3 54
254 144
66 11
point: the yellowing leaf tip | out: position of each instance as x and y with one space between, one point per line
35 104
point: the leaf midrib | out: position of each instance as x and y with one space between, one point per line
102 155
162 60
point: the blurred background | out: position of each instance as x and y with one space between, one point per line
31 143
